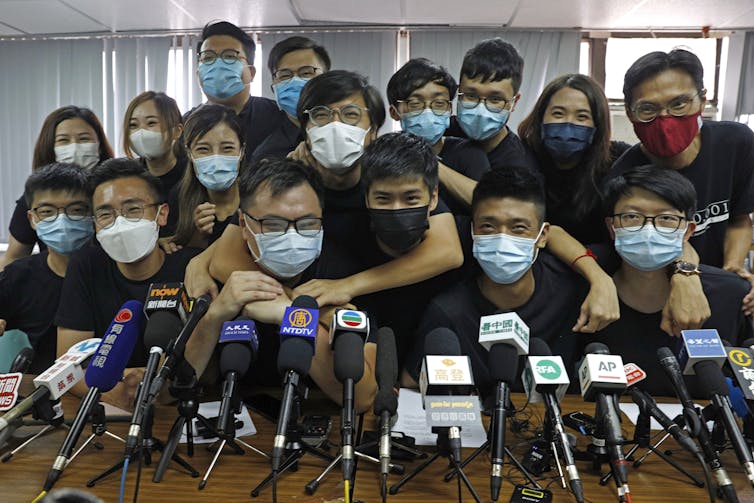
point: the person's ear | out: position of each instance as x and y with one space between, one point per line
177 132
433 199
252 73
162 214
394 113
32 219
515 101
690 228
610 229
542 241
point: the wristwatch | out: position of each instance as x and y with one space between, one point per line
683 267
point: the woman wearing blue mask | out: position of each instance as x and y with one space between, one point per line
207 196
569 132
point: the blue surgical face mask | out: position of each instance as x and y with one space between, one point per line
217 172
64 235
287 94
566 140
220 80
426 125
647 249
479 123
287 255
504 258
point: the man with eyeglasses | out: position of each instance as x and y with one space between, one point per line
128 212
225 68
292 62
420 95
30 287
650 215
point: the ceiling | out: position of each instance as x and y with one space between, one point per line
42 17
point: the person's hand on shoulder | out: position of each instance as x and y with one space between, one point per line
197 279
204 217
302 154
168 245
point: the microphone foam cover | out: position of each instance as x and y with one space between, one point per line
503 363
711 379
386 366
385 400
295 354
664 352
538 347
596 348
235 357
305 301
441 341
748 342
349 357
162 327
106 367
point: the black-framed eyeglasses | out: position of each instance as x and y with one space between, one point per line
105 217
228 56
349 114
415 106
74 211
664 224
494 104
678 107
305 72
307 226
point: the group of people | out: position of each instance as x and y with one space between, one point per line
258 201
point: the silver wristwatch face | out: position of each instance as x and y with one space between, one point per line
686 267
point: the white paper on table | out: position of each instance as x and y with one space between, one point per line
210 410
111 411
631 410
412 421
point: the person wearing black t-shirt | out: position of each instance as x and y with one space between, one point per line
128 211
516 276
30 286
650 215
420 94
281 229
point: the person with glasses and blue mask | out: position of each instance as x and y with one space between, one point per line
128 211
420 95
30 287
650 214
284 244
292 62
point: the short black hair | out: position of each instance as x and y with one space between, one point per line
122 167
657 62
667 184
296 43
417 73
279 175
231 30
336 85
399 155
514 182
494 59
58 176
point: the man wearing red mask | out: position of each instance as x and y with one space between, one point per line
664 98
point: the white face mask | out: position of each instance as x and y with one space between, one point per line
126 241
85 155
337 146
148 144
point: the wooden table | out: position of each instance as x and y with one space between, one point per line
234 476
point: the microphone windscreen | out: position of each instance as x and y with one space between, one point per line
386 366
235 357
385 400
711 379
295 354
596 348
538 347
305 301
109 361
349 357
441 341
162 327
503 363
664 352
748 342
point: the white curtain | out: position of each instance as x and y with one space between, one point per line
546 55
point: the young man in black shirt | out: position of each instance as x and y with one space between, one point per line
650 213
30 287
420 94
510 233
282 234
128 212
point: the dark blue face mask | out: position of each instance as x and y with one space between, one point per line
565 140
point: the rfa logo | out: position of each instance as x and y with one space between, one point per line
548 369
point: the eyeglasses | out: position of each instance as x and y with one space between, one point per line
647 112
416 106
74 211
664 224
228 56
105 217
349 114
305 72
307 226
494 104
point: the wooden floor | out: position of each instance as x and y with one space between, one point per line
234 476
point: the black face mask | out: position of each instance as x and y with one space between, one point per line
400 229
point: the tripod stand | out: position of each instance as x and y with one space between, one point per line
99 428
44 410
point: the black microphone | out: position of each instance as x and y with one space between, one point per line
647 404
696 425
22 361
239 343
503 367
349 369
386 400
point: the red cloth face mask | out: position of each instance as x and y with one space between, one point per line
667 136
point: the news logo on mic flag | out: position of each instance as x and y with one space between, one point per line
545 370
9 384
299 322
699 345
352 319
507 328
240 331
634 373
116 328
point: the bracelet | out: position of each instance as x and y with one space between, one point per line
589 253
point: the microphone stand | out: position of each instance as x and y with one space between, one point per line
46 411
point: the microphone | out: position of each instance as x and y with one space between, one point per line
22 361
741 365
696 425
347 321
298 336
349 369
698 346
386 400
546 380
239 343
168 298
104 371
